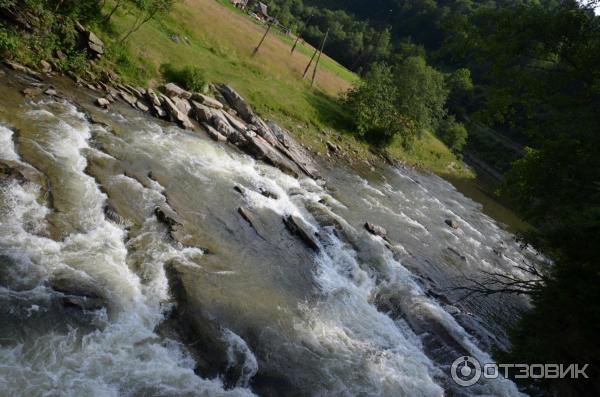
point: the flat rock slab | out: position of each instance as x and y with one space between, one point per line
297 227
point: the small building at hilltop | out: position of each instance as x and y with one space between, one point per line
261 11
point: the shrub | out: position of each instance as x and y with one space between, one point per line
8 41
191 78
452 133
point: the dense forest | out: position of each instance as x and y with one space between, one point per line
526 73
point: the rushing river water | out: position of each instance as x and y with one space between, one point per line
218 305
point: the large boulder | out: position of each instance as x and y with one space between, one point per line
76 292
152 97
260 149
207 101
176 114
182 104
234 121
237 102
173 90
293 151
214 134
201 112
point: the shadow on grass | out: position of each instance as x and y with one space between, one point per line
331 112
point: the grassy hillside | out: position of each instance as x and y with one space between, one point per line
220 40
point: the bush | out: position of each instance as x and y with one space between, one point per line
401 101
372 104
191 78
452 133
8 41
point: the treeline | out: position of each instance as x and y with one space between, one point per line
530 72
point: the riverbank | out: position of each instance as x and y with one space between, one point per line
194 35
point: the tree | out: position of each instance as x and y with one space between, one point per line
452 133
373 104
403 101
421 94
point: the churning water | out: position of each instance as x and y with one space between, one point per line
100 297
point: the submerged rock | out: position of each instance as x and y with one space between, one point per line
452 223
296 226
102 102
246 215
376 230
83 294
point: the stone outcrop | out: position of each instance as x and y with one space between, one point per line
173 90
176 114
89 42
237 103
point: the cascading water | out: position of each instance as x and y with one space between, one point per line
99 295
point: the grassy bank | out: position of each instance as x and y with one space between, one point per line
219 39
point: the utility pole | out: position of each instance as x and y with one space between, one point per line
309 63
318 59
263 38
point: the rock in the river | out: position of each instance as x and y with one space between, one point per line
130 99
159 112
296 226
246 215
214 134
21 171
202 113
102 102
376 230
207 101
173 90
238 103
182 104
153 97
234 121
142 106
32 91
293 151
45 66
260 149
452 223
176 114
78 293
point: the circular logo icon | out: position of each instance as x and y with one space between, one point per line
466 371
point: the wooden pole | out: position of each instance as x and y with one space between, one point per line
263 38
295 43
318 59
309 63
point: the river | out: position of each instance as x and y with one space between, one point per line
101 296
